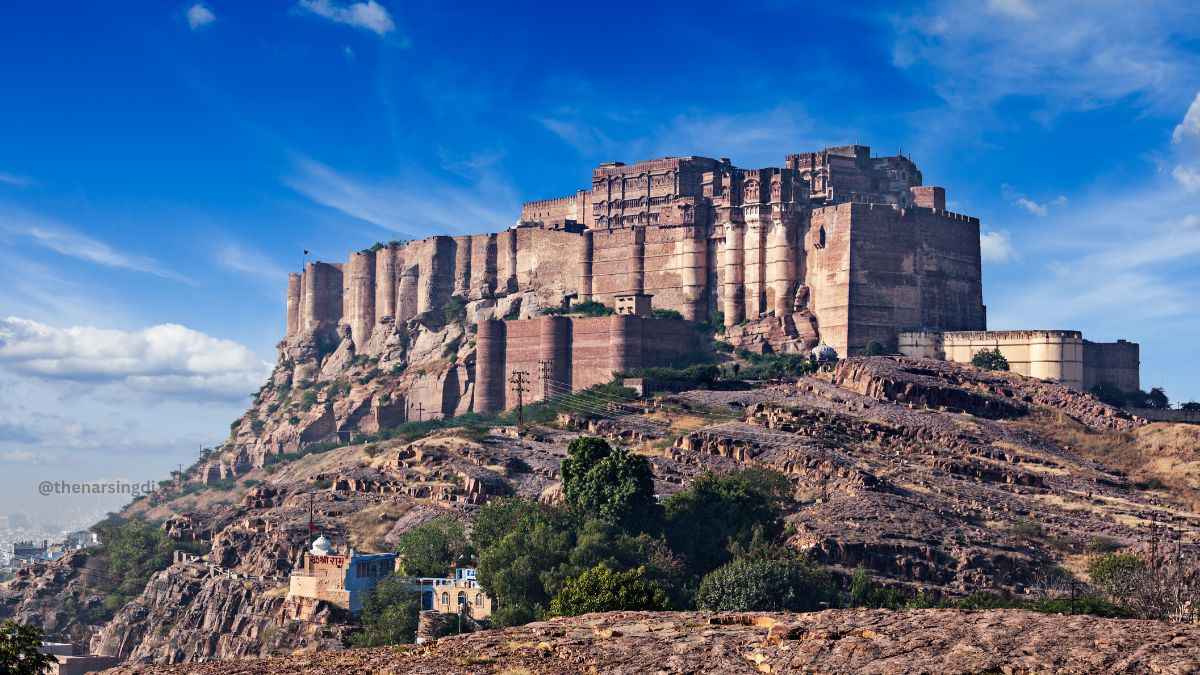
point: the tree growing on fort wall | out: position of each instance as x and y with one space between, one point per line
989 359
390 614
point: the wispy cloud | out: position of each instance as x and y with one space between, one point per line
249 261
1065 55
414 203
199 16
14 179
70 242
1187 177
1039 209
760 138
369 15
165 359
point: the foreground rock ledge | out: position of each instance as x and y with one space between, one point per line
833 641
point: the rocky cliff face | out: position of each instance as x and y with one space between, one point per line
189 613
833 641
61 597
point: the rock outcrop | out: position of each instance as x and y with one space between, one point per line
833 641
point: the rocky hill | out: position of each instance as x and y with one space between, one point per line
934 477
833 641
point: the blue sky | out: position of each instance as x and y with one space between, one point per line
162 166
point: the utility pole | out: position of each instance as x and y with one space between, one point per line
181 474
545 367
520 385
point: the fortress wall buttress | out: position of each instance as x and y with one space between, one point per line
322 296
827 272
949 269
437 275
386 273
734 290
885 288
554 341
483 266
506 261
755 277
781 254
614 268
408 267
676 269
293 304
359 296
1116 363
490 342
462 265
587 253
625 342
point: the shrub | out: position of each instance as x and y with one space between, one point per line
666 314
761 585
874 348
989 359
591 308
454 310
722 347
1118 574
1190 405
866 592
1111 394
257 426
308 400
603 590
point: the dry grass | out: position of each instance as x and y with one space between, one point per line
368 527
1162 457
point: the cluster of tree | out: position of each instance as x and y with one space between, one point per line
989 359
1155 399
136 551
768 366
612 545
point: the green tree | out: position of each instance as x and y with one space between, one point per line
612 484
389 615
1190 405
989 359
1109 393
434 548
1157 399
718 515
136 550
1119 574
455 310
600 589
873 348
763 584
19 653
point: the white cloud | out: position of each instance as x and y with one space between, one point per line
166 358
1068 55
1189 128
1017 9
245 259
413 204
28 457
73 243
996 246
1039 209
1188 177
369 15
199 16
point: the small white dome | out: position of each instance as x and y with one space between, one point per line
824 352
322 546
